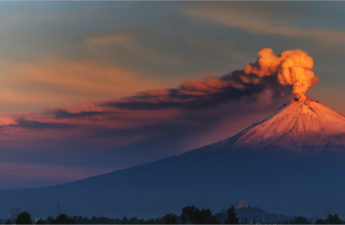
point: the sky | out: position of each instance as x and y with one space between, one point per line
92 87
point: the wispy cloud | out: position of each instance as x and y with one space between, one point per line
261 22
60 82
107 39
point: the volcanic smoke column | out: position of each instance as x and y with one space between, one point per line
293 67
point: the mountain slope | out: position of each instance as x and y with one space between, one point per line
298 124
218 175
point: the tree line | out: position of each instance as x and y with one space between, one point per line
189 215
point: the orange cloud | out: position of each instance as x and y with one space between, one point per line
7 121
62 83
293 67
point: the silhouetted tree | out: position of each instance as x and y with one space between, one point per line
231 217
169 219
300 220
330 219
39 221
24 218
333 219
62 219
191 214
150 221
188 214
207 217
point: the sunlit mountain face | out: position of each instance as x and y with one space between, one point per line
298 125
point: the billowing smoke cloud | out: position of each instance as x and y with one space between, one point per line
293 68
197 94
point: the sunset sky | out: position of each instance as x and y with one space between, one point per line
91 87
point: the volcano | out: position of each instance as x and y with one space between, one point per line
299 125
291 162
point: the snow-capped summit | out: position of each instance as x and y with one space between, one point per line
297 125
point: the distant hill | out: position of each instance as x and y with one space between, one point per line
252 214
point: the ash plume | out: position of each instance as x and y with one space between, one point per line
292 67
